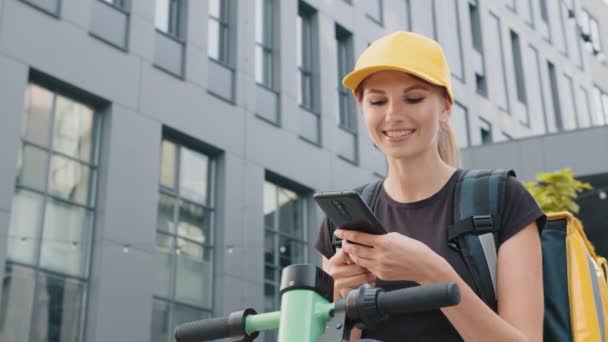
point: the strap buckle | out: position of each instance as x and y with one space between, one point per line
483 223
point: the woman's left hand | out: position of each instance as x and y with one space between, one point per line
393 256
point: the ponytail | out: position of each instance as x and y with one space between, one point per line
448 148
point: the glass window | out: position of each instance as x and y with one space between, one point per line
481 85
66 238
408 15
536 81
448 34
544 11
569 103
51 219
17 299
170 17
37 115
460 122
117 3
562 39
31 167
598 119
519 68
60 302
557 108
585 26
605 106
529 13
347 115
184 239
485 129
73 127
374 10
423 18
285 237
595 35
584 111
497 59
264 50
219 31
305 46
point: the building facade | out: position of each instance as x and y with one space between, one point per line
159 157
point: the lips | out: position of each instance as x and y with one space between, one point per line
398 133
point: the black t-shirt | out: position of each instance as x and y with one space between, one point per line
427 221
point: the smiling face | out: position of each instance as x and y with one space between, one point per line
403 113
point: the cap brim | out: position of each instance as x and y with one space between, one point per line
355 78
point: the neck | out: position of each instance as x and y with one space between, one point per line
414 179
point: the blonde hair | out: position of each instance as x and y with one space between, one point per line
447 145
446 140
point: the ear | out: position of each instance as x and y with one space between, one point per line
446 111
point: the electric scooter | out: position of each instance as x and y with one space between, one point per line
308 314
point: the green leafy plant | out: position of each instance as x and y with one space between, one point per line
557 190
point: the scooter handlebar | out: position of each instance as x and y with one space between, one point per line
418 298
203 330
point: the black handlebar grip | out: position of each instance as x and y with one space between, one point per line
203 330
418 298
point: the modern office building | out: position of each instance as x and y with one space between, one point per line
159 157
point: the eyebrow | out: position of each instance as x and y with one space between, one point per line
416 86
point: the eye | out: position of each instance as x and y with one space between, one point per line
414 100
377 102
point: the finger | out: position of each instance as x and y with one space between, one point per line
346 271
355 281
365 263
339 258
358 237
360 251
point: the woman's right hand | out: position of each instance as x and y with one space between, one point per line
346 274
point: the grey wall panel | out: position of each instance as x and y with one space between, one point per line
109 24
77 12
12 92
142 31
310 127
50 6
497 156
345 144
302 162
169 54
191 110
267 104
196 72
584 151
239 294
222 83
129 176
531 159
581 150
69 54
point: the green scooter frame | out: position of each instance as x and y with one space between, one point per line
308 315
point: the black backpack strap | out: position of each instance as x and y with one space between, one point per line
369 193
478 202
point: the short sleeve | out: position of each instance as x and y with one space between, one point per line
323 242
519 210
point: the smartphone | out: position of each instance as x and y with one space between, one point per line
347 210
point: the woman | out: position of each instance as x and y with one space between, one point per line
402 84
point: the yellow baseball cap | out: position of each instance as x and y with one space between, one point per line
403 51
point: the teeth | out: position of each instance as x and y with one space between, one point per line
396 134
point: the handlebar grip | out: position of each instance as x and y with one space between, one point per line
419 298
203 330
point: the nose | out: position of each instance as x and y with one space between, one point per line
393 110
